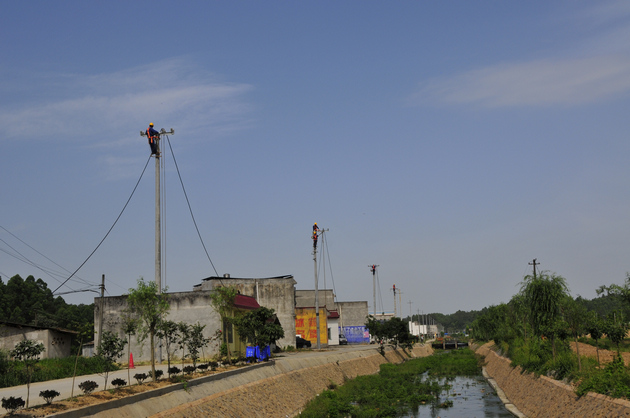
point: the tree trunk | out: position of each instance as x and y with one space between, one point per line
577 350
153 356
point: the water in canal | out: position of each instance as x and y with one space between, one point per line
472 397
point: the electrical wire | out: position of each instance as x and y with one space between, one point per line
190 209
110 229
27 261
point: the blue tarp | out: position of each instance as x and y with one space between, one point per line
356 335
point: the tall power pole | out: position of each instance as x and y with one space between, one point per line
394 289
158 220
316 233
373 268
534 263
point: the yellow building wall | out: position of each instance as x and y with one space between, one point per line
306 325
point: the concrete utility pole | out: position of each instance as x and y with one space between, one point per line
100 315
316 234
394 289
534 263
373 268
158 220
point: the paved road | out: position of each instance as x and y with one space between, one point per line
64 386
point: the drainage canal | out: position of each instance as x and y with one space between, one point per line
466 396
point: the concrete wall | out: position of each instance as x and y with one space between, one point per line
277 293
352 314
188 307
56 343
306 299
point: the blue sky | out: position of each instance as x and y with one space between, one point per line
449 142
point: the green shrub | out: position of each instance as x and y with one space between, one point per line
88 386
12 404
48 395
140 377
119 383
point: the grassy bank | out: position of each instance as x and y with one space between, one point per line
395 390
13 373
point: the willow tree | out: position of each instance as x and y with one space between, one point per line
149 306
222 299
544 294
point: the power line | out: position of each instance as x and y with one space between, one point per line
110 229
190 208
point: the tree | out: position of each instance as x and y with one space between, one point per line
377 331
183 332
259 326
616 328
544 295
594 326
222 299
575 316
168 331
28 351
149 306
112 347
196 342
85 332
130 326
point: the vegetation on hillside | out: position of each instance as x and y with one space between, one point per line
31 302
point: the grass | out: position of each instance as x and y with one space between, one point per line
395 390
12 373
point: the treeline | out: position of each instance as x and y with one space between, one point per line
605 304
31 302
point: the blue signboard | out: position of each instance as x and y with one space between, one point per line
356 335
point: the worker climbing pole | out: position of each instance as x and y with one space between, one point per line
315 236
153 136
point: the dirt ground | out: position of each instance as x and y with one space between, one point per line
605 356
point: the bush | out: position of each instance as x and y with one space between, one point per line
174 370
119 382
12 404
48 395
213 365
88 386
158 373
140 377
189 369
203 367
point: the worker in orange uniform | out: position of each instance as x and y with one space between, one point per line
315 235
153 136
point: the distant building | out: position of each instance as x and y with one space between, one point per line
349 318
56 341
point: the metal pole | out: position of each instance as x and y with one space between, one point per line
158 225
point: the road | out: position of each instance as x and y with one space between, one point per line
64 386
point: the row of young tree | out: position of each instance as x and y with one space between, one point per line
540 320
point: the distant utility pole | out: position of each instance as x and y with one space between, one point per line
316 233
158 220
534 263
410 315
100 315
373 268
394 289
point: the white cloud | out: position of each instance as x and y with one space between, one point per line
537 83
171 93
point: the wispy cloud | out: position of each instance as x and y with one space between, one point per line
595 66
172 93
537 83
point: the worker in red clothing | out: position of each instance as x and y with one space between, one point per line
153 136
315 236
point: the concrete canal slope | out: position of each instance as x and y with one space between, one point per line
279 388
545 397
296 382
